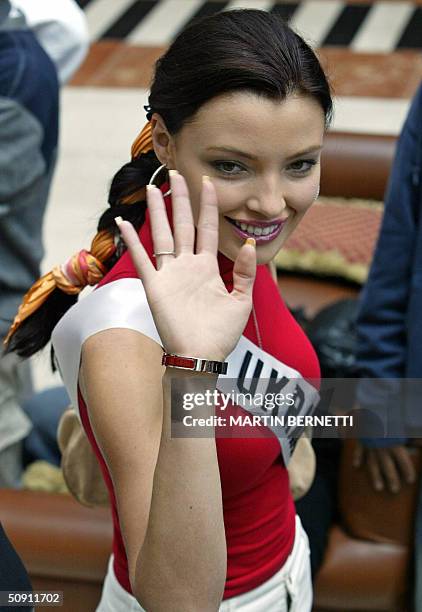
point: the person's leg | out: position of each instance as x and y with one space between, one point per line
318 508
29 125
44 410
13 576
14 425
61 28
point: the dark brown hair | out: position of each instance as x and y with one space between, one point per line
243 49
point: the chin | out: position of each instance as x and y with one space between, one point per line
263 254
266 253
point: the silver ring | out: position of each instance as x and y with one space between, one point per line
154 176
164 253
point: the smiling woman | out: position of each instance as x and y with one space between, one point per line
262 156
237 113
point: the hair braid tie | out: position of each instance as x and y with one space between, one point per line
82 269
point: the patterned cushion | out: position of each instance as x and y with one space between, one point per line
336 237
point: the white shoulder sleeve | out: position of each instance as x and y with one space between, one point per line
122 303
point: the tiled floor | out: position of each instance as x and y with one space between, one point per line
371 51
362 25
112 63
377 75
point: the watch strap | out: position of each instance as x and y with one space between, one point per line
195 364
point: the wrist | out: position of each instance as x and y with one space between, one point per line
188 393
176 373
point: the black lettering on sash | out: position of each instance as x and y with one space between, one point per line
275 386
298 401
255 377
295 408
292 444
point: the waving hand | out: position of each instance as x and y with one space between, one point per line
194 313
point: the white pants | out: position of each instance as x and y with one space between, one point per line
289 590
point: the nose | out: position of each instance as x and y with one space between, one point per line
267 199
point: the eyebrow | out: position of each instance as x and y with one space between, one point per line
246 155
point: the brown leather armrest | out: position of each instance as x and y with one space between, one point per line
356 165
363 576
376 516
56 536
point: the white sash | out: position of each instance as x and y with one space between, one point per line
123 304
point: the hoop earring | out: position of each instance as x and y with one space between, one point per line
154 176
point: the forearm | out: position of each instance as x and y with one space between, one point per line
182 563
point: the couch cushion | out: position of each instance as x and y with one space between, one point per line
336 237
56 536
361 576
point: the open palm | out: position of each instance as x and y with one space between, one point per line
194 313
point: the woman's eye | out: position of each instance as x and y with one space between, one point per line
302 166
228 167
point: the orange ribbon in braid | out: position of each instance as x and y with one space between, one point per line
142 144
86 267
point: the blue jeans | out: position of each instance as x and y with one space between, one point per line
44 410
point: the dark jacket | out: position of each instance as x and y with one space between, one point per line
390 318
29 110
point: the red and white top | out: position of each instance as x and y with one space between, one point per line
259 513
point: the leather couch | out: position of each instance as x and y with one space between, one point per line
65 546
368 561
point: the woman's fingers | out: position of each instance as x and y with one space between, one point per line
183 224
140 257
244 270
358 452
404 461
184 229
388 469
374 470
207 239
162 238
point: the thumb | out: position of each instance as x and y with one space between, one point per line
244 270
